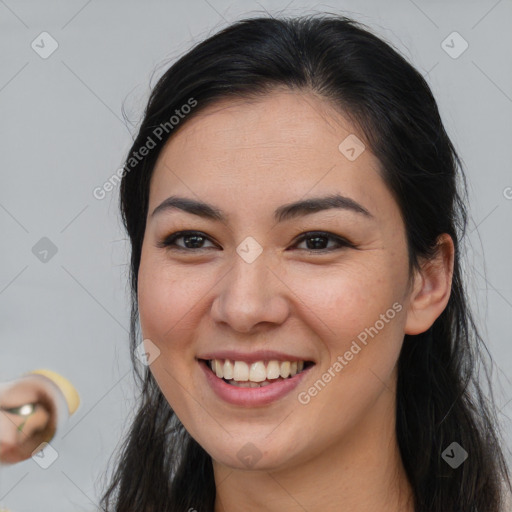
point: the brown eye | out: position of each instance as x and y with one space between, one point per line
317 241
191 240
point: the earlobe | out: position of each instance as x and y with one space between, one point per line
432 288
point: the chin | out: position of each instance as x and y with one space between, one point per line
252 454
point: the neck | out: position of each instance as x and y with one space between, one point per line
362 473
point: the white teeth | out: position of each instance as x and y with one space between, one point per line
247 384
273 370
241 371
217 368
285 369
228 369
259 372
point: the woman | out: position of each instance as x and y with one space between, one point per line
295 213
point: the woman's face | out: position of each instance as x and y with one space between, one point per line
250 288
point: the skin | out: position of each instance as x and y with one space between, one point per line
21 434
339 451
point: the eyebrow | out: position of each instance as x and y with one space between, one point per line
281 214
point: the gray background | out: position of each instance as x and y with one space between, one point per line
63 134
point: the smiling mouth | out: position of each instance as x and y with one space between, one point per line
257 374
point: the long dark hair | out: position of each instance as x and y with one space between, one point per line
440 398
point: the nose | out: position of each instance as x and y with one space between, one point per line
251 294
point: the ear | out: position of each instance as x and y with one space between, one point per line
431 288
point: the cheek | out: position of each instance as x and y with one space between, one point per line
345 300
358 318
357 315
168 303
168 297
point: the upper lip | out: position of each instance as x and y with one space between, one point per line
252 357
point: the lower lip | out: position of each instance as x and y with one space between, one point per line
251 397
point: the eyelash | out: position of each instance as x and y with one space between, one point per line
169 241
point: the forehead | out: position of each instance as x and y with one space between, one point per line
284 145
278 122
